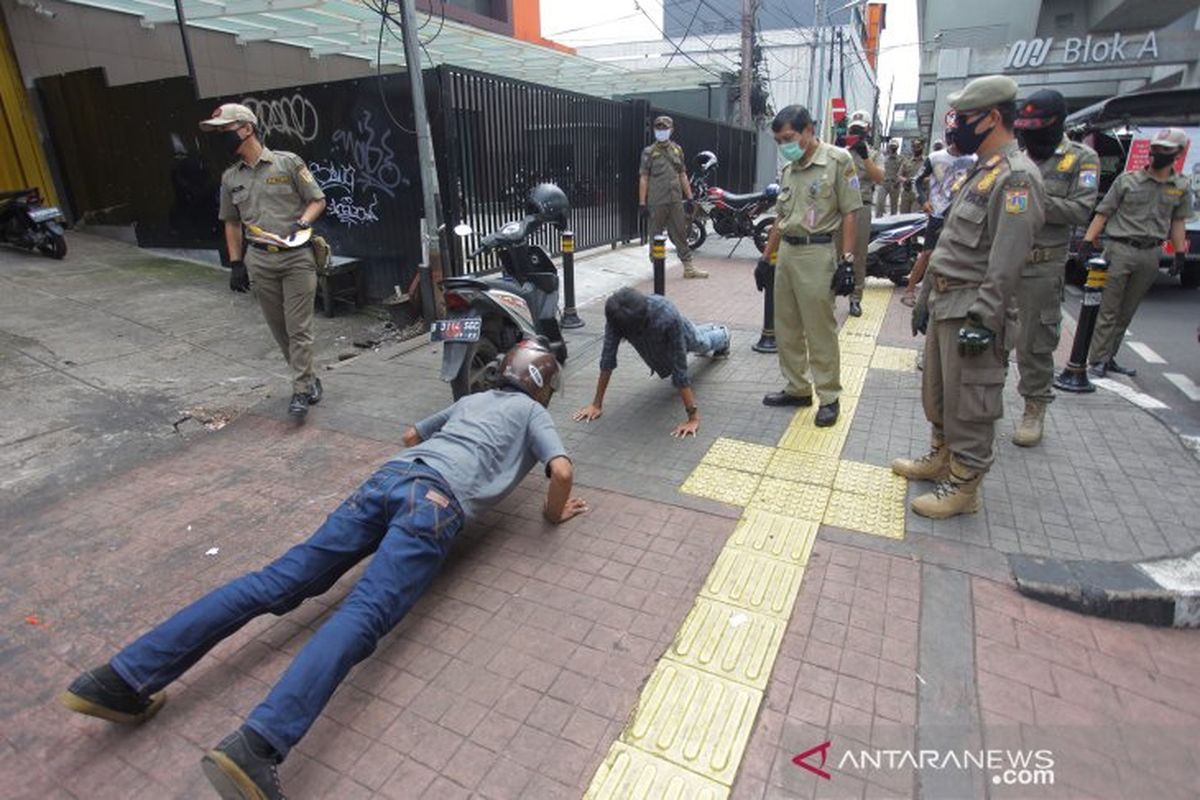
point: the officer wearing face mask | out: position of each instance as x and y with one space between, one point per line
969 292
1070 173
869 175
271 191
1142 208
662 188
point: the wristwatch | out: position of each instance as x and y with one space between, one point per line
691 411
847 256
303 223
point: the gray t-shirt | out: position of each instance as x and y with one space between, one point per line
484 444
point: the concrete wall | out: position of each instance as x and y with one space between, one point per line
79 37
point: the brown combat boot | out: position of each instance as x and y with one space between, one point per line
957 494
1029 432
690 271
930 467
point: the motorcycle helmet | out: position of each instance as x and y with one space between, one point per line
772 191
705 160
532 368
548 203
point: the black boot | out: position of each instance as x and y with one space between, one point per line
1097 370
827 414
315 392
785 399
299 405
1113 366
855 308
102 693
243 767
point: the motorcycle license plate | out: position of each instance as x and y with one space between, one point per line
43 214
466 329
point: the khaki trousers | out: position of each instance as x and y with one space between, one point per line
908 199
889 192
1039 308
671 217
285 284
1131 273
805 328
962 395
862 238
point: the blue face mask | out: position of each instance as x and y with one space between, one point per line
662 134
791 151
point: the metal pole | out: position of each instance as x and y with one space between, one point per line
812 54
766 341
747 63
432 233
1074 377
658 257
570 317
187 48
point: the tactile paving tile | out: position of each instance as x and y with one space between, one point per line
901 359
857 344
723 485
775 535
869 479
856 334
729 642
802 434
850 359
694 720
880 515
744 456
795 465
628 773
754 582
853 379
800 500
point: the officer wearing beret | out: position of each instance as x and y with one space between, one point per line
1141 209
973 276
819 191
271 192
1070 174
662 187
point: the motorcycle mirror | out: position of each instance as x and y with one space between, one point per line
463 229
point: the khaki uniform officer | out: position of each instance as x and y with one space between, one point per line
910 167
1142 208
972 282
661 189
273 192
1070 174
891 180
869 175
819 191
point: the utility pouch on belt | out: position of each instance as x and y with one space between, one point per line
323 255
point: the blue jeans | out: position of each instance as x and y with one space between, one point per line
404 513
705 339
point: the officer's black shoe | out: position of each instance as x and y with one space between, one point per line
1097 370
102 693
855 308
299 405
785 399
1113 366
827 414
243 767
315 392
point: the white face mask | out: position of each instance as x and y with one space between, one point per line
662 135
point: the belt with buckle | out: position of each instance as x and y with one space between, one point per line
816 238
1041 255
274 248
943 284
1140 244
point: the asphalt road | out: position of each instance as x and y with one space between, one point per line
1162 346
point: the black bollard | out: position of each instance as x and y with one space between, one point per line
658 257
1074 377
570 318
766 341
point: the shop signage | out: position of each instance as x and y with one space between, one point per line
1113 50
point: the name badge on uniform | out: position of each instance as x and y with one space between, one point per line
277 179
1016 201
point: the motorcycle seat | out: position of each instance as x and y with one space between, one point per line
514 232
742 199
463 282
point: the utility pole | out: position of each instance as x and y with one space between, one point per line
747 76
187 49
818 77
887 108
432 244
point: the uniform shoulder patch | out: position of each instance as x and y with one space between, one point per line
1016 201
1089 176
304 174
1066 162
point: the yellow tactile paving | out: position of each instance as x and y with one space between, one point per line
853 379
723 485
754 582
869 479
860 345
743 456
800 500
802 434
729 642
901 359
694 720
797 465
876 514
851 359
775 535
631 774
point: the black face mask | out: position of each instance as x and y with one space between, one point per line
231 141
1041 144
1161 160
967 137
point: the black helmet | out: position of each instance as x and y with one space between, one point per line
1045 108
705 160
548 203
532 368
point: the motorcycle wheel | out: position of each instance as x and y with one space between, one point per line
697 233
762 229
470 376
56 247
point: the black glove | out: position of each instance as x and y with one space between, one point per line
974 338
1178 264
643 212
843 279
689 206
239 279
1084 253
860 147
764 274
920 318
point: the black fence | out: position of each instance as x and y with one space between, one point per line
133 154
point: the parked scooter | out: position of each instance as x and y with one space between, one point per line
486 316
25 222
894 246
733 216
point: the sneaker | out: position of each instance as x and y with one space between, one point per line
855 308
1113 366
299 405
827 414
102 693
243 767
724 351
785 399
315 392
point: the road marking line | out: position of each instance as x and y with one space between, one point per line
1184 384
1139 399
1148 355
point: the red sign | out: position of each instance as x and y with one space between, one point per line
838 106
1139 156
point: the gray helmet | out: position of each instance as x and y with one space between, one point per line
532 368
705 160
